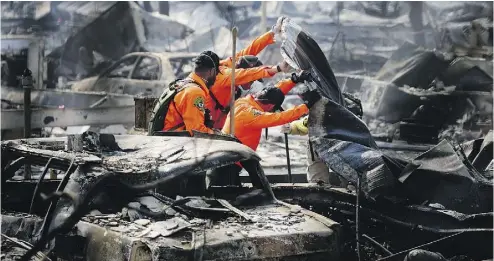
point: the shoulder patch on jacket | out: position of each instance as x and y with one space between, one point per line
256 112
199 103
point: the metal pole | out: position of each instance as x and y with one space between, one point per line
232 91
27 84
288 159
263 17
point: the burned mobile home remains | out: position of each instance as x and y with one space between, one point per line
132 223
408 124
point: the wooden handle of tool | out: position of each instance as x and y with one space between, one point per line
232 99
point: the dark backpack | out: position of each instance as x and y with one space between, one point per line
157 119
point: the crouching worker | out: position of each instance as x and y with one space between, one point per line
317 170
252 114
182 106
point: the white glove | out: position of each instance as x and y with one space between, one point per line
285 67
285 128
276 29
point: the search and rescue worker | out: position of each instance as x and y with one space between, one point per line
187 109
317 170
252 114
220 92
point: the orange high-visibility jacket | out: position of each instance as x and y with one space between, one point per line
187 108
222 85
284 85
250 119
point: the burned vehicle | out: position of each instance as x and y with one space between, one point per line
131 198
139 74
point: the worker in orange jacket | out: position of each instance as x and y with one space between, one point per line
186 110
254 113
220 92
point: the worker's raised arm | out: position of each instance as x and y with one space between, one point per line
192 108
243 76
254 48
257 45
287 85
262 120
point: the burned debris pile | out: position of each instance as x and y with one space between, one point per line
407 125
150 191
442 178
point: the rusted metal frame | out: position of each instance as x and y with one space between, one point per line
377 244
69 117
41 177
10 170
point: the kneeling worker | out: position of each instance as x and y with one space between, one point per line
253 113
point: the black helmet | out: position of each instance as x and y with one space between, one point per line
271 95
249 61
208 59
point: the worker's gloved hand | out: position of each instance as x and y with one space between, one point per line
310 98
286 128
299 127
302 76
284 67
277 27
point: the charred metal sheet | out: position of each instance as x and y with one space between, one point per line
69 117
345 144
145 153
37 155
427 218
67 99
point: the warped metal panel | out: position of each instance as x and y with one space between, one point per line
12 119
69 99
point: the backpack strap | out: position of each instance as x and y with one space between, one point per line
180 125
182 85
218 104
